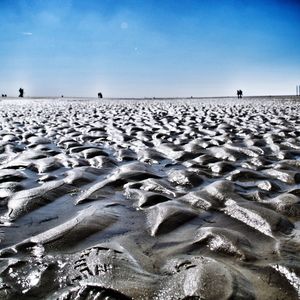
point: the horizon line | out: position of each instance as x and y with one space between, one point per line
147 97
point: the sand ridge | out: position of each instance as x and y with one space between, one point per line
150 199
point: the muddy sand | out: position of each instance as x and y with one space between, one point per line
157 199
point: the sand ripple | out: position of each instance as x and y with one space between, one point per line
178 199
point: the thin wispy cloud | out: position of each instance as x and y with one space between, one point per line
27 33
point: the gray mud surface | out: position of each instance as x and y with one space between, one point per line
157 199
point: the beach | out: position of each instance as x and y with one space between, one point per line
150 199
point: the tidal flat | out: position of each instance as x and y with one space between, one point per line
150 199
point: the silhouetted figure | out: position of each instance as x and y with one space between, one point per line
62 96
21 91
239 93
3 95
99 95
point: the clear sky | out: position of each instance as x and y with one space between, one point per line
145 48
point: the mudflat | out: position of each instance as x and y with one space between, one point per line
150 199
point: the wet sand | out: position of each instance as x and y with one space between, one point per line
157 199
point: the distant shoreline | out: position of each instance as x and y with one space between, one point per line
291 97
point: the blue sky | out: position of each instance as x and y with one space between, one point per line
145 48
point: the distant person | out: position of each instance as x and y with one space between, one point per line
3 95
239 93
21 91
100 95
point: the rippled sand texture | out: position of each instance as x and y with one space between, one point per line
150 199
